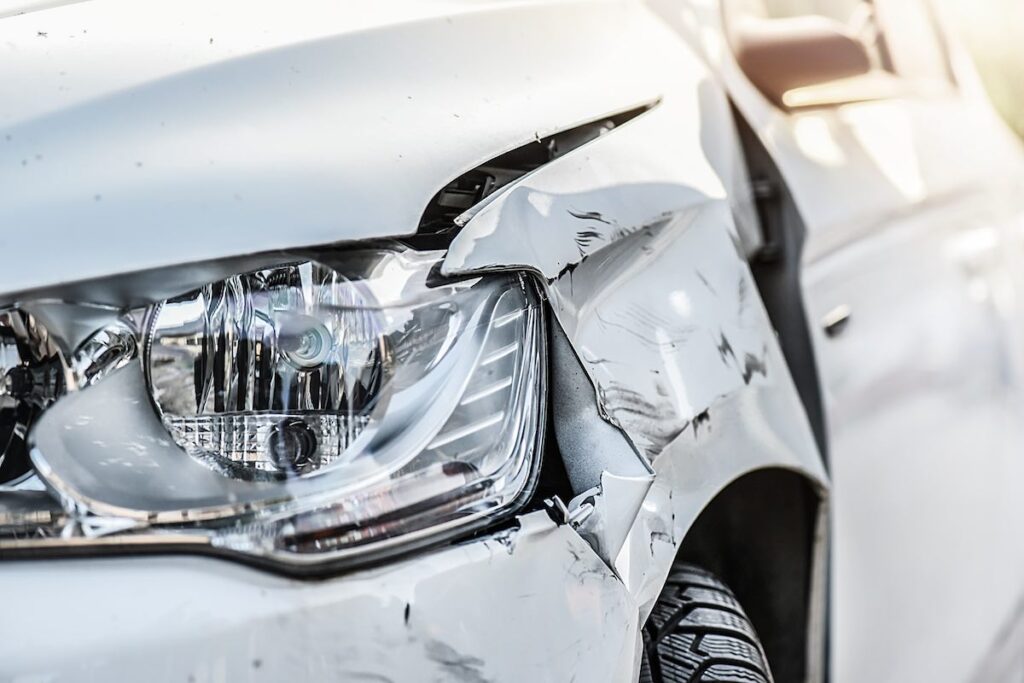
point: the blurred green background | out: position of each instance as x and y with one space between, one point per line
993 31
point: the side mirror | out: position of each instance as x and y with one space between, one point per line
781 56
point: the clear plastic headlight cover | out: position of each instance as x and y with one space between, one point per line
313 407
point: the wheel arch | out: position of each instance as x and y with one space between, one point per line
764 534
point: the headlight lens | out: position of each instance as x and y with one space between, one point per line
277 372
310 410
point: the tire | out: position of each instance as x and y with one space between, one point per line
698 632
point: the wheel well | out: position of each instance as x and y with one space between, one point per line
759 535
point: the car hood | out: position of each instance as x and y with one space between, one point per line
138 135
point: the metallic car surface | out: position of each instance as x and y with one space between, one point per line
242 128
913 213
534 603
137 136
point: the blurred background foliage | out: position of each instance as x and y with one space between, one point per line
993 31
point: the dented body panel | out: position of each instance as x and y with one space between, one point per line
636 235
533 603
647 276
208 133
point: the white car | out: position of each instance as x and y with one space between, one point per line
665 340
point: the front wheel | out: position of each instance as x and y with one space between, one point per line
699 632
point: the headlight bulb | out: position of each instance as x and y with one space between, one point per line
304 341
272 373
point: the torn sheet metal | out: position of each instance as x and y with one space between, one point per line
665 320
614 507
533 603
636 241
631 178
635 237
602 465
758 426
590 447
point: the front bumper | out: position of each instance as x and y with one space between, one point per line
531 604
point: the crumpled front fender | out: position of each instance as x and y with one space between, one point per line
635 238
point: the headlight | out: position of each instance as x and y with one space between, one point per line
307 412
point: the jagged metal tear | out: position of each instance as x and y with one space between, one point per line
634 236
597 456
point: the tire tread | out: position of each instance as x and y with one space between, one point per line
699 633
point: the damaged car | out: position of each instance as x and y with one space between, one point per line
606 340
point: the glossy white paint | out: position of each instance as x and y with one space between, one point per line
647 276
926 443
330 127
532 604
667 323
913 219
200 132
152 134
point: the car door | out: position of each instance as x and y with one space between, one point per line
910 202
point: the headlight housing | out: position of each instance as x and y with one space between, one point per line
307 413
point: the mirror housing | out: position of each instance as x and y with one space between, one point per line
780 56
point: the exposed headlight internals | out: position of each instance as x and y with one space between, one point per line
307 414
275 372
31 378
